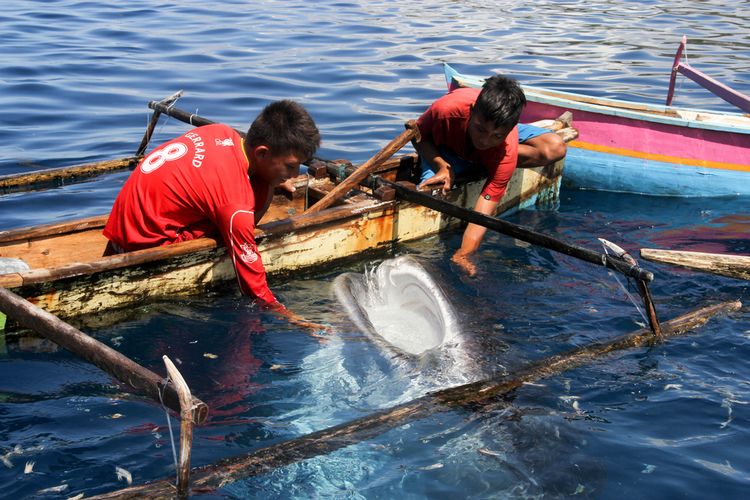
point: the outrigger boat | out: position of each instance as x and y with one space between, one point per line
641 148
70 278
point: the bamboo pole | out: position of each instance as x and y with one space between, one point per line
479 393
730 265
111 361
56 176
167 101
186 427
517 231
361 173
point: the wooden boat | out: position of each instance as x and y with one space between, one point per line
647 149
731 265
70 278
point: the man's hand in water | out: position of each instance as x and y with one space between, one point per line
316 330
465 262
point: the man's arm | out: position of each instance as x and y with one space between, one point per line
237 229
473 236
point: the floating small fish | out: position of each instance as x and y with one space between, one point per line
725 469
209 355
115 416
54 489
124 474
489 453
431 467
277 367
17 450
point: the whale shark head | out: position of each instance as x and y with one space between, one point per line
399 305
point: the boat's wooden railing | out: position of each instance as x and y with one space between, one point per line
717 88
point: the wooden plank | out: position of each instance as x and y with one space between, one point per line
733 266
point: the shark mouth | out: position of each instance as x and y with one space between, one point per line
400 305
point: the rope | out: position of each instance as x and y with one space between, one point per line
604 260
169 424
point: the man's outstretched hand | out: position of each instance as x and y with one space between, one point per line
316 330
465 262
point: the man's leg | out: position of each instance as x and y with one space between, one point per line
538 146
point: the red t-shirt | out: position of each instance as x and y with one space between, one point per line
192 186
446 123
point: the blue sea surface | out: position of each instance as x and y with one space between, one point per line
671 420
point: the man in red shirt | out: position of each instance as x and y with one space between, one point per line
469 127
211 182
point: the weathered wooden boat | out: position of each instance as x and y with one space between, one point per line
731 265
647 149
70 278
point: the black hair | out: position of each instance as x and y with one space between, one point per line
501 100
285 127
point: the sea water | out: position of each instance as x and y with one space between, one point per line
653 422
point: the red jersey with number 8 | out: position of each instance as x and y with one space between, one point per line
192 186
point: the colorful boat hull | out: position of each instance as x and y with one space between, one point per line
645 149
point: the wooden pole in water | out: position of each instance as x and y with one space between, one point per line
364 170
168 102
480 393
186 427
57 176
519 232
730 265
111 361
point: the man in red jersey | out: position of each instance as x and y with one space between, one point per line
211 182
468 128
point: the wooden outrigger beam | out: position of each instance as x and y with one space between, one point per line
58 176
471 395
717 88
111 361
12 183
730 265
